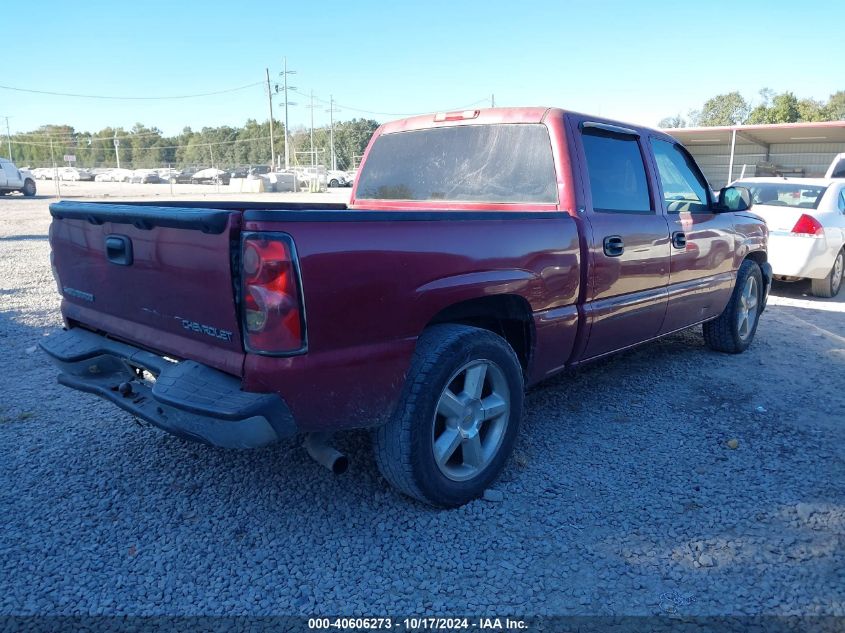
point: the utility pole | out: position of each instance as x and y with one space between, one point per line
331 112
55 171
313 155
9 138
270 100
285 74
117 149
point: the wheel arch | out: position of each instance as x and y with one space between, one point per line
508 315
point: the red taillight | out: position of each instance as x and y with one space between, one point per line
807 225
272 307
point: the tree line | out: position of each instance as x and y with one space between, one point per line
771 107
224 146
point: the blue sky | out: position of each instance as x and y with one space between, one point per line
635 61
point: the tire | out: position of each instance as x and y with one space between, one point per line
333 183
405 445
832 284
28 188
733 330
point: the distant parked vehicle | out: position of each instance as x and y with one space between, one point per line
338 178
114 175
837 167
806 218
210 176
74 174
183 177
43 173
245 171
144 176
14 179
166 173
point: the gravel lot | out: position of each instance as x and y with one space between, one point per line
623 497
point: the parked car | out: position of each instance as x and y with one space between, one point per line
42 173
245 171
144 176
210 175
183 177
166 173
337 178
806 219
74 174
481 252
114 175
13 179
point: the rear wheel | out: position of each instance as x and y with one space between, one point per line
734 329
458 418
830 285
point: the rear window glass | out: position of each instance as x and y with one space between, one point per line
503 163
788 194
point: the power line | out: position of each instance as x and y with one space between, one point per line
347 107
119 98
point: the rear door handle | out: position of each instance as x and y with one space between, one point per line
613 246
679 239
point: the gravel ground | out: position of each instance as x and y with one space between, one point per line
623 498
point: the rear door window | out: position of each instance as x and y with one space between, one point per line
618 182
505 163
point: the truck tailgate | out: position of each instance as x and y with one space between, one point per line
158 277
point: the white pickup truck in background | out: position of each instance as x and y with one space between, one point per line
14 179
837 167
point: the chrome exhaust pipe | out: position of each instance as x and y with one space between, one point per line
322 452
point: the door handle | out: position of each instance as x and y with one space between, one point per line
613 246
119 250
679 239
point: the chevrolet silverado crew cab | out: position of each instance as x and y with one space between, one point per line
481 252
14 179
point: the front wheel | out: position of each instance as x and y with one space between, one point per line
830 285
457 420
734 329
29 188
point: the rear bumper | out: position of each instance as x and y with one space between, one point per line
186 398
799 256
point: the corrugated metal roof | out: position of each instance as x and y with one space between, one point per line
827 132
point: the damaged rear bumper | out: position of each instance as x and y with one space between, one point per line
185 398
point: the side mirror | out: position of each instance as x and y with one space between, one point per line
734 199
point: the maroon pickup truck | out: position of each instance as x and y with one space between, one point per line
482 252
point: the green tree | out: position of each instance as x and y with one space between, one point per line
835 107
672 122
784 108
724 109
811 110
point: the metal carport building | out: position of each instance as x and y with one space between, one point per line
790 149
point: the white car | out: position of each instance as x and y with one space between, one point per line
74 174
806 220
337 178
14 179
